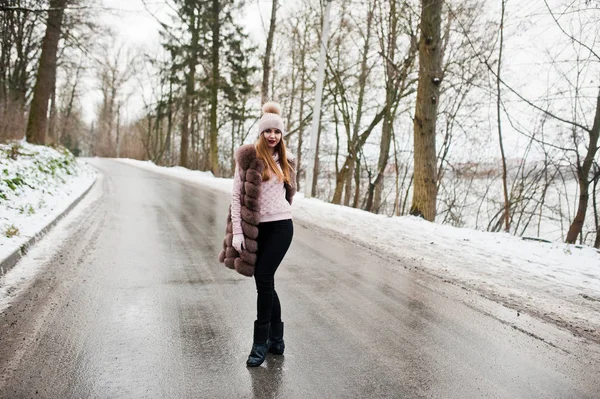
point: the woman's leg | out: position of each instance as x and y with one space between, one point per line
274 239
276 343
276 309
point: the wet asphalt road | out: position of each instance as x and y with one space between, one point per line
134 304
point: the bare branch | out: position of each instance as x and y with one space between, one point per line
491 70
569 35
162 24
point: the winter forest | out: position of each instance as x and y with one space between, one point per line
473 113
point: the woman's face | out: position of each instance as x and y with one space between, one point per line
272 136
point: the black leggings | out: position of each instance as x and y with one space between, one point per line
274 239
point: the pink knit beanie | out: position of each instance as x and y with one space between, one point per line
271 118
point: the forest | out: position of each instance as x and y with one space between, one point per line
475 113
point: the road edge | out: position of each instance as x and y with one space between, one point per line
12 259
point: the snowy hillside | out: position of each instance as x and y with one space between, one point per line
38 183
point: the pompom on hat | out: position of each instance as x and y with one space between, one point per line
271 118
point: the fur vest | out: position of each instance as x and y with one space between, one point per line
251 169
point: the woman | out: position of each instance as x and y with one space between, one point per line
259 225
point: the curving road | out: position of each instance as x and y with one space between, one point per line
130 302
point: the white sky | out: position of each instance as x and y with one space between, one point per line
138 29
134 23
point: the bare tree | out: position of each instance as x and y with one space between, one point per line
430 61
388 49
498 113
113 74
215 84
67 132
301 43
267 57
343 103
46 75
583 171
20 37
583 166
191 55
595 179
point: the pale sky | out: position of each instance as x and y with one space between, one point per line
137 28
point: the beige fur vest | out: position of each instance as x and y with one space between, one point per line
251 169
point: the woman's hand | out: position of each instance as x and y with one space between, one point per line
238 242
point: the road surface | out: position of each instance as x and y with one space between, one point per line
129 301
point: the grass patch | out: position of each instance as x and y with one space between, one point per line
15 182
11 231
26 209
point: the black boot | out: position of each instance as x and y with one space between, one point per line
276 344
260 347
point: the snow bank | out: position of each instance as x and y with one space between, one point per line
37 184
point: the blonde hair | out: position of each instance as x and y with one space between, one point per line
263 153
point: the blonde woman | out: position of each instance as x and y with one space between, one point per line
259 226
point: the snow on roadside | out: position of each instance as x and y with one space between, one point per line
37 183
555 281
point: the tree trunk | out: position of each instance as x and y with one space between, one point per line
69 110
357 173
301 111
18 48
498 104
184 146
51 138
430 62
344 179
374 201
341 179
185 127
577 225
300 140
46 75
396 210
583 172
348 187
110 119
166 148
214 89
119 130
356 146
594 193
294 79
267 59
376 188
233 146
317 163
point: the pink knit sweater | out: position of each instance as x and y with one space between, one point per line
272 202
